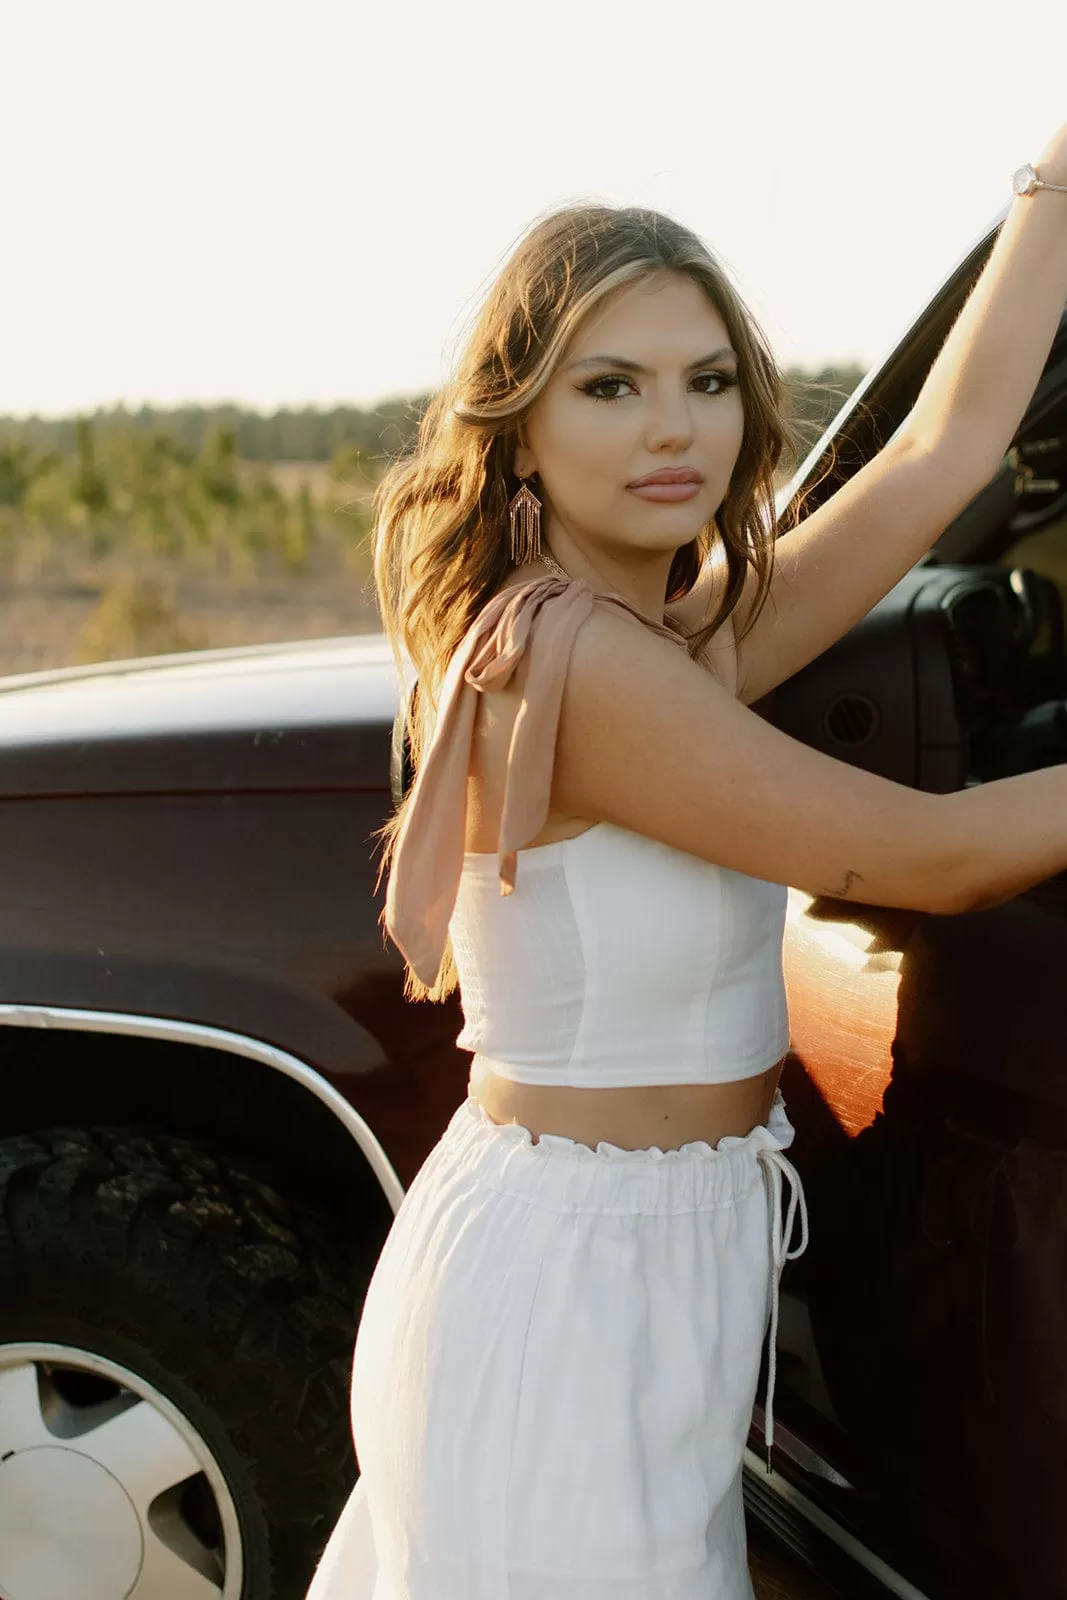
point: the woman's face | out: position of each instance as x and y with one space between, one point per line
648 383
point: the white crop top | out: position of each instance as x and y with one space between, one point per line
605 960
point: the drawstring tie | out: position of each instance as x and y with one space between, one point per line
775 1167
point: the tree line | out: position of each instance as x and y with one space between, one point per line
120 495
303 434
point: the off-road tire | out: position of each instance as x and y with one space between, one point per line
235 1304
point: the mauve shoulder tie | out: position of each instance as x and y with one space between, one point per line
543 617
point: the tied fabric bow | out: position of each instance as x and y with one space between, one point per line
542 617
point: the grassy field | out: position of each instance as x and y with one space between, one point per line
60 605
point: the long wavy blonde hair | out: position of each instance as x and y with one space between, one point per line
441 526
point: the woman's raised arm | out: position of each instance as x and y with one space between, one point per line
841 560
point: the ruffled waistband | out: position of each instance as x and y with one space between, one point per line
566 1175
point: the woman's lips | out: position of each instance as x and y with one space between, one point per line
665 491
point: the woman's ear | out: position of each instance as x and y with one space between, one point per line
524 463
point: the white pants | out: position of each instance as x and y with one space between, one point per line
555 1369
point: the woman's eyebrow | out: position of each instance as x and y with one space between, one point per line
632 366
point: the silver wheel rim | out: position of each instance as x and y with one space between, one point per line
107 1492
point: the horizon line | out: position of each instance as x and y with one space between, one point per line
272 408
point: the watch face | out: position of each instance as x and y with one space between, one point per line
1024 181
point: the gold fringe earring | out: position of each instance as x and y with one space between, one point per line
524 510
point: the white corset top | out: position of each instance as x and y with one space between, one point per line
619 960
598 961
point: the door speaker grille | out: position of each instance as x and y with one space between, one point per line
851 720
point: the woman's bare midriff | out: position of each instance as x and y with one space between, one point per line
667 1114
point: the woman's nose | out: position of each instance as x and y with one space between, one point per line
669 423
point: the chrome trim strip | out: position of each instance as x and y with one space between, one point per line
173 658
237 1044
845 1541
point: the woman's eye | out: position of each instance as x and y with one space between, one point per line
601 383
722 380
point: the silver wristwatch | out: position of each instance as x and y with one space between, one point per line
1025 180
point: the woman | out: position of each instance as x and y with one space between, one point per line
558 1355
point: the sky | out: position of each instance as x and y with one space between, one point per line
304 203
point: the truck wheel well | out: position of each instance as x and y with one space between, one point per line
258 1115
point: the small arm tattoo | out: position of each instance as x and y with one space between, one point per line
850 878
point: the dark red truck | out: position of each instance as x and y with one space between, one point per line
213 1094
